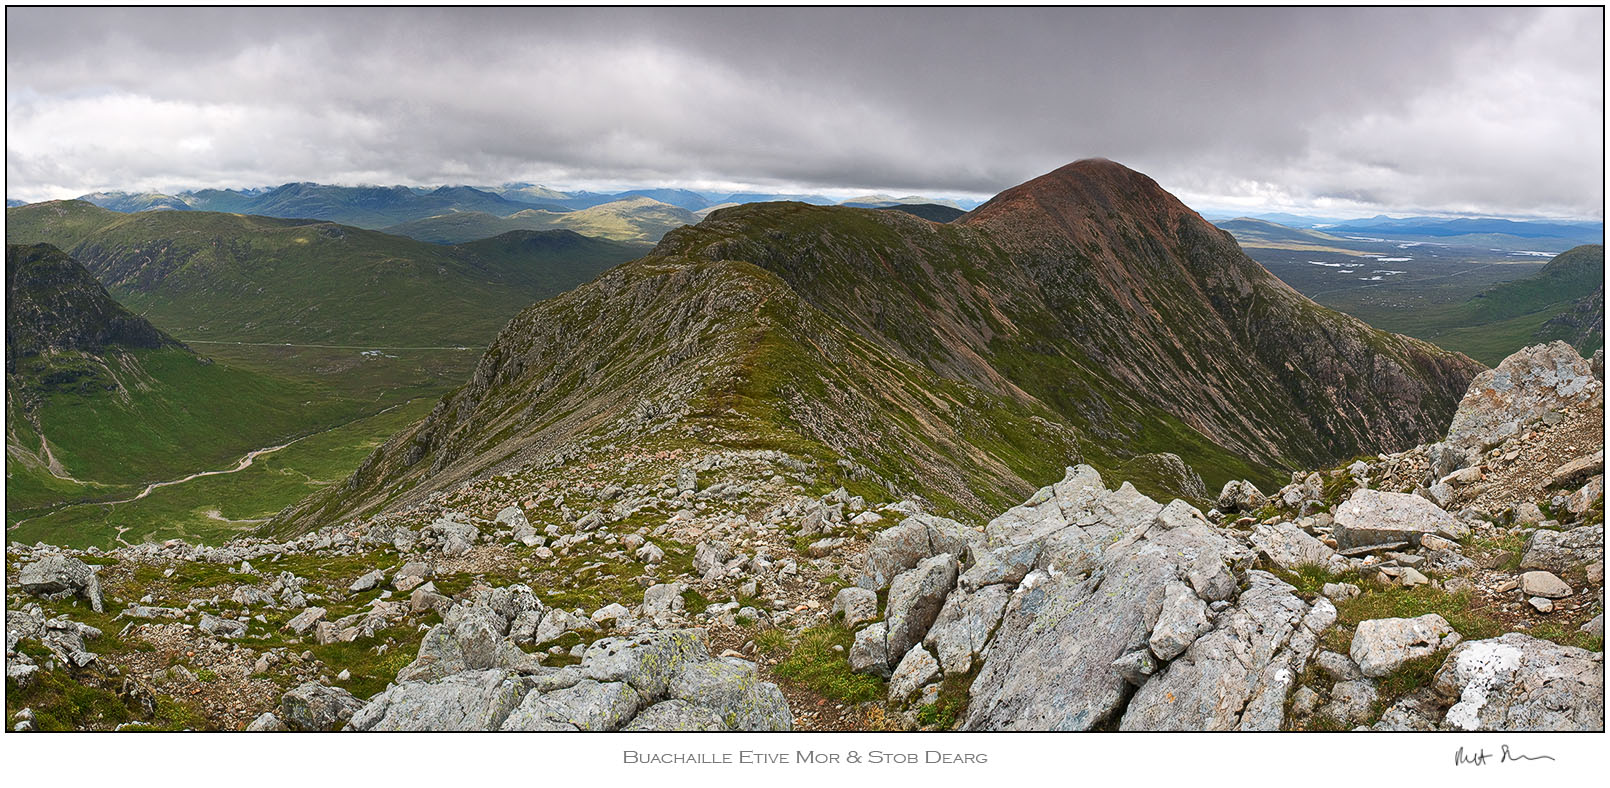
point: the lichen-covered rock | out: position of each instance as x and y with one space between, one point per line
1544 584
514 519
731 689
1290 547
899 549
662 600
654 680
1350 701
1240 496
1007 564
221 627
857 605
471 638
676 715
266 723
1516 682
1182 620
1561 552
585 706
870 652
1237 676
964 625
710 558
917 668
1106 571
647 661
1380 645
453 538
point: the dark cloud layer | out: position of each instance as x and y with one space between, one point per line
1338 111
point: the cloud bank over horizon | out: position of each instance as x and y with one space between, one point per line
1334 112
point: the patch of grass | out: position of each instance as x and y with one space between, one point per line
62 703
206 676
177 715
944 713
771 641
1310 579
812 663
1382 601
694 602
1511 542
1567 636
371 672
1414 675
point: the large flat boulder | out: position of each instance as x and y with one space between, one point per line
1561 552
477 700
315 707
1289 547
1373 517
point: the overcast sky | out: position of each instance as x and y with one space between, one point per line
1337 112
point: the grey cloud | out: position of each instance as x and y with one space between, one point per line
1496 110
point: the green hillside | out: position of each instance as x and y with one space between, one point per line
227 277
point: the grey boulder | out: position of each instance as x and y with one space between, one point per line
915 599
57 576
315 707
1381 645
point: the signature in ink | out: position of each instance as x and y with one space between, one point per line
1481 757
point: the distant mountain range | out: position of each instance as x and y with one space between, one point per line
375 207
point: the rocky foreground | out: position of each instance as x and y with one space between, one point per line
1458 585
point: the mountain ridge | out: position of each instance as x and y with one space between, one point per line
927 331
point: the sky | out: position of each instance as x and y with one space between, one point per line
1328 112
